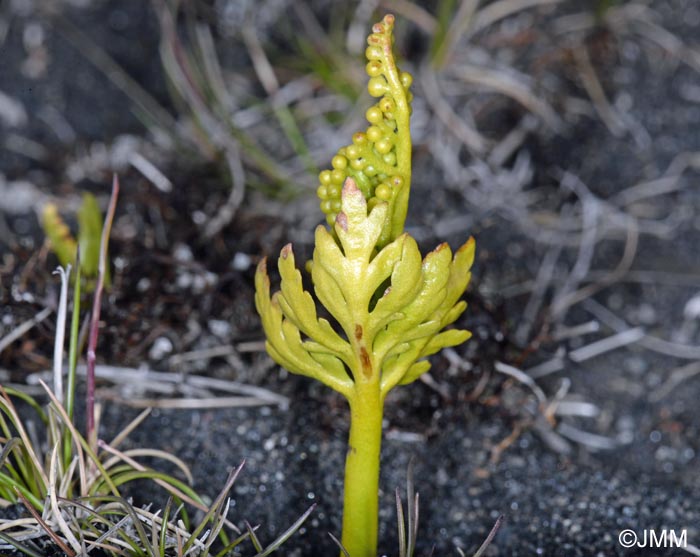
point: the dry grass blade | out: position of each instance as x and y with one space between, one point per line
156 479
121 529
151 172
474 141
114 72
186 403
677 376
80 445
411 511
591 83
228 210
413 12
407 524
266 74
68 477
216 507
461 21
401 527
156 453
607 344
656 344
88 529
500 9
544 278
511 84
211 68
23 328
119 534
60 332
641 19
669 182
340 545
107 539
609 278
11 525
591 220
253 538
591 440
7 448
217 527
49 532
489 538
131 426
169 382
692 549
523 378
261 64
22 548
213 132
57 514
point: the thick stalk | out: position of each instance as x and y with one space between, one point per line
361 497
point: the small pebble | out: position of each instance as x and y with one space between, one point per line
161 348
241 262
636 365
143 284
219 328
646 314
692 308
182 253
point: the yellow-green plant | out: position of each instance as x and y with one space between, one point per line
390 306
378 159
65 246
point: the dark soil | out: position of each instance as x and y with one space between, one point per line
479 443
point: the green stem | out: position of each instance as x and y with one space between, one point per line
361 498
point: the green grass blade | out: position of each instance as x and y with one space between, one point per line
401 525
164 529
13 486
232 545
275 545
24 397
253 538
215 507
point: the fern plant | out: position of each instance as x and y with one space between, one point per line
389 306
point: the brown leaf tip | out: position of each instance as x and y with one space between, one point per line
350 186
469 245
286 251
342 221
